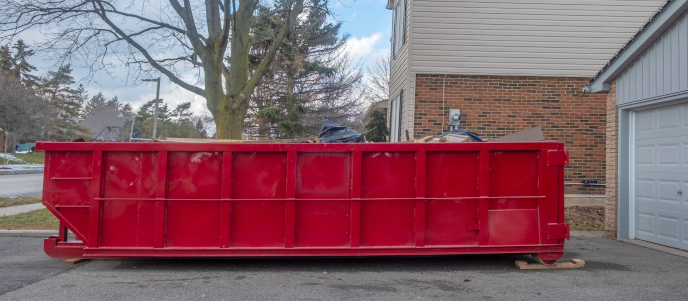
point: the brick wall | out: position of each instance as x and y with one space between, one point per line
494 106
612 170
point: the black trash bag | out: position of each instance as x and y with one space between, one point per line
334 133
474 137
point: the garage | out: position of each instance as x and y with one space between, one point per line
646 82
661 175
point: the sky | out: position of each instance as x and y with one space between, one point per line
366 21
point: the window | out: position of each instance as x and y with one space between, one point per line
399 26
395 118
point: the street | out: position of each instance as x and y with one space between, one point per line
614 270
21 185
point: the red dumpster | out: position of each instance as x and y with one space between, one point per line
230 200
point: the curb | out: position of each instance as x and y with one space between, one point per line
19 172
28 233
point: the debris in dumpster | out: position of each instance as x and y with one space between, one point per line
531 134
334 133
460 135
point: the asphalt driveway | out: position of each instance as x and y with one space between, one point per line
614 270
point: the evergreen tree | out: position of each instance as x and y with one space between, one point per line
96 103
311 77
64 102
15 62
377 128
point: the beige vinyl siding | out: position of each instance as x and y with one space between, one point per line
400 79
521 37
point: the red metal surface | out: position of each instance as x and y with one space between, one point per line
231 200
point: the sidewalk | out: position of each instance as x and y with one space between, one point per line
15 169
7 211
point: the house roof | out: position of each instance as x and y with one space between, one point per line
641 41
376 106
98 121
390 4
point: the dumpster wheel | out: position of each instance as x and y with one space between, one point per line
549 258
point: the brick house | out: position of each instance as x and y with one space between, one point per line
510 65
647 131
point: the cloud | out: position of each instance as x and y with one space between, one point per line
359 48
354 15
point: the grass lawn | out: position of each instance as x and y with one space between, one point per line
28 158
8 202
34 220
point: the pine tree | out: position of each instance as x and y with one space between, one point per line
96 103
15 62
377 127
63 101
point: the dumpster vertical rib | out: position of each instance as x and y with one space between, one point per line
94 214
289 220
225 193
542 222
420 198
355 199
483 206
159 228
560 192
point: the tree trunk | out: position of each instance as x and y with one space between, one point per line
229 121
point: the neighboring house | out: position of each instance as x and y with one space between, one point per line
105 125
376 106
647 131
509 65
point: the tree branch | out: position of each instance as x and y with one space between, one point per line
145 53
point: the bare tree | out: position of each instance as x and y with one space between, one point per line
213 36
378 79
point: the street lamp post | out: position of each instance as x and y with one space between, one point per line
157 99
131 132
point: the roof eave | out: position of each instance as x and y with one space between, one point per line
390 4
642 41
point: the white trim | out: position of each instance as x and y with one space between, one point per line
394 121
631 175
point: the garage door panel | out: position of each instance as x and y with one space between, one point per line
645 155
668 118
644 222
661 175
668 155
645 189
668 227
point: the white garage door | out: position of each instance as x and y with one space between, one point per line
661 175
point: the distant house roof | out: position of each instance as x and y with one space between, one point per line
376 106
99 121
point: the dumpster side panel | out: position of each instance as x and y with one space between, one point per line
452 174
322 209
388 175
256 220
225 200
514 221
193 176
66 187
130 178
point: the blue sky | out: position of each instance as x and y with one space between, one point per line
366 21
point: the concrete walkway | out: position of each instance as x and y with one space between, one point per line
7 211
